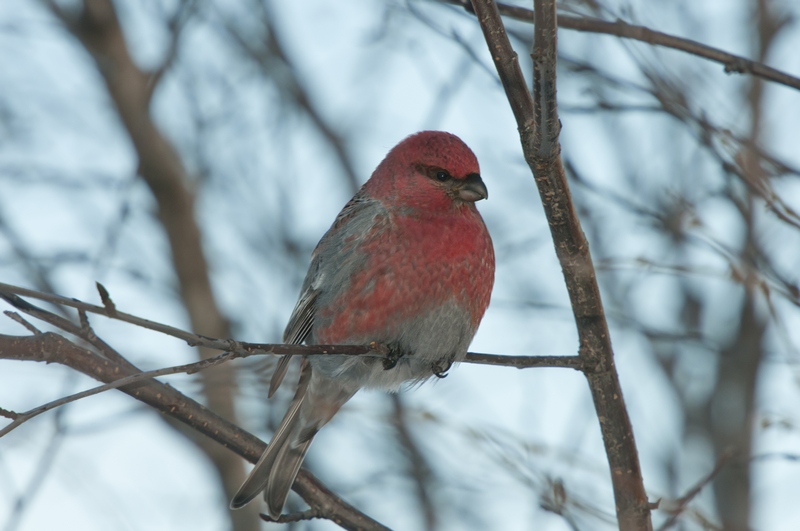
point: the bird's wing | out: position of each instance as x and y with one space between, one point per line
334 249
296 332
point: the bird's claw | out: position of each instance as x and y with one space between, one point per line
393 355
440 370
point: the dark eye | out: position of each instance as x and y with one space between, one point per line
442 176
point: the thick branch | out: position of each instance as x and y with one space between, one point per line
53 348
542 152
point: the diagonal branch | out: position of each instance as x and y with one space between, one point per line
682 502
539 127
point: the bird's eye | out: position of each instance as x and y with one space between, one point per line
442 176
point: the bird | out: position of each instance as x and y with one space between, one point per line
408 265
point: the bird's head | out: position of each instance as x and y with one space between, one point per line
429 171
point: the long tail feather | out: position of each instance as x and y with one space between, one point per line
270 460
284 471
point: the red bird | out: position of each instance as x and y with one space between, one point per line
408 264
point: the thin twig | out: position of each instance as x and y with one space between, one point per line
734 64
14 316
692 493
10 292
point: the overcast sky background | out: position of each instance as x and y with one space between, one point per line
378 71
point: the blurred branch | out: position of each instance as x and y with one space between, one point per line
718 141
39 476
682 502
539 127
96 25
53 348
34 269
270 55
733 64
175 24
731 424
419 469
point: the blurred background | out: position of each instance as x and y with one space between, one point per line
686 181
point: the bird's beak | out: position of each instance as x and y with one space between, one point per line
472 189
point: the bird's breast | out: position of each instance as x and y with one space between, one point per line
419 277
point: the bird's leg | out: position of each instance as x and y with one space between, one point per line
392 351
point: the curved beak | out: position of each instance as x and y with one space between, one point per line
472 189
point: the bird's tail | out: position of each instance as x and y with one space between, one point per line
276 470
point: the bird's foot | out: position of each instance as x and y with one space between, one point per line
441 367
392 352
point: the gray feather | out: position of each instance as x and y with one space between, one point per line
297 330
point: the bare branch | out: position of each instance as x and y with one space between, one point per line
692 493
14 316
310 514
537 121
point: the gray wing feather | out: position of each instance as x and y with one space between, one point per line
352 223
296 332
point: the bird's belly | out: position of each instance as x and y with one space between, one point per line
428 343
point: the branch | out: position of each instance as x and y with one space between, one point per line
684 500
53 348
734 64
294 517
232 350
419 469
539 127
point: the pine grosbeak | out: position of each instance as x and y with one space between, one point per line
408 264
